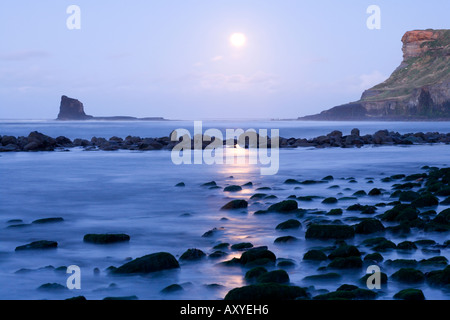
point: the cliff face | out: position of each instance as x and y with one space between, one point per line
71 109
418 89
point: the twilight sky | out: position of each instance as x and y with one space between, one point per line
173 58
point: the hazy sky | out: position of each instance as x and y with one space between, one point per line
174 59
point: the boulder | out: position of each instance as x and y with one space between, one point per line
106 238
38 245
149 263
317 231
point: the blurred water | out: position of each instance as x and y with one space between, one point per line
297 129
134 193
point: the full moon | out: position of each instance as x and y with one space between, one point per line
238 39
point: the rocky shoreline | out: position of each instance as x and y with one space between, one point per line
37 141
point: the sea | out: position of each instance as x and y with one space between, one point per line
135 193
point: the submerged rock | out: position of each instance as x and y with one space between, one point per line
284 206
106 238
235 204
410 294
192 255
289 224
38 245
317 231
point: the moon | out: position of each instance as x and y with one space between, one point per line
238 39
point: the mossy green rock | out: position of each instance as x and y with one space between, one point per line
376 256
401 212
368 226
235 204
406 245
346 263
284 206
408 196
254 273
384 246
317 231
267 291
192 255
315 255
408 275
438 278
106 238
344 251
276 276
149 263
289 224
410 294
330 200
426 200
255 254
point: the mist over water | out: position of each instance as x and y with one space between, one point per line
134 193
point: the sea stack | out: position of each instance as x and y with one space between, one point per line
419 89
71 109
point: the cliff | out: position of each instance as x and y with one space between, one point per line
419 89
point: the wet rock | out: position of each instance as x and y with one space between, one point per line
255 254
291 181
410 294
360 193
401 212
276 276
252 274
376 256
330 200
149 263
401 263
384 246
346 263
344 251
285 239
368 226
242 246
258 196
217 254
209 184
434 261
374 192
172 289
106 238
426 200
438 278
38 245
317 231
211 233
223 245
334 212
180 184
192 255
408 275
232 188
406 245
331 276
315 255
268 291
235 204
285 206
441 223
289 224
408 196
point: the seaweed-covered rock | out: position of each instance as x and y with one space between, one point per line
426 200
276 276
192 255
289 224
285 239
374 192
284 206
235 204
406 245
344 251
335 212
266 291
242 246
438 278
408 275
384 245
330 200
402 263
106 238
254 273
376 256
440 223
410 294
255 254
38 245
172 289
346 263
232 188
318 231
401 212
149 263
408 196
368 226
315 255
